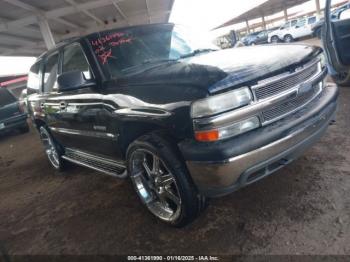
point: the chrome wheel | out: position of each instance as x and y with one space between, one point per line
50 148
155 185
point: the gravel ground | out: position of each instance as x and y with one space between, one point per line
302 209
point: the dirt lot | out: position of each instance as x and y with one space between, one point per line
302 209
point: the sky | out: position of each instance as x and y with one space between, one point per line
202 15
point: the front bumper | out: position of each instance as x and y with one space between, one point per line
261 152
13 123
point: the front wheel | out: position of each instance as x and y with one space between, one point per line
288 39
162 182
52 150
275 39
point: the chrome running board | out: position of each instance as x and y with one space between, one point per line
97 163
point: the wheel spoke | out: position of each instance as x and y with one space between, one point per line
147 169
170 195
166 180
156 164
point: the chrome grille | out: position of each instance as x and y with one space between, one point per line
273 87
290 105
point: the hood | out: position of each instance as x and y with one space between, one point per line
230 68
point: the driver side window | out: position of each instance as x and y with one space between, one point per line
74 60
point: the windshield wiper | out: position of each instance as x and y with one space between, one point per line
197 52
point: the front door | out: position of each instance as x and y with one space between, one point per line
336 40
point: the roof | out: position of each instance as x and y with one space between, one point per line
20 34
267 8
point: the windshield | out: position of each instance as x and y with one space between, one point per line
120 51
6 97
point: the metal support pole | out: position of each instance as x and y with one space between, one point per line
46 32
247 24
285 11
318 8
264 22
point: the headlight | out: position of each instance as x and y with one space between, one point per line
228 131
323 60
220 103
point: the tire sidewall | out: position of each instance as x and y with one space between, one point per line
187 192
60 160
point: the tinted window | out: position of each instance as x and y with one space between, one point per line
74 60
34 78
50 73
311 20
6 97
301 23
124 51
294 22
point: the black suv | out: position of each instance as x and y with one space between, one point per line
12 115
182 119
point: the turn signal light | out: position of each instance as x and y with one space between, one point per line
207 136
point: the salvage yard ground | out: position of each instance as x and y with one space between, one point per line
302 209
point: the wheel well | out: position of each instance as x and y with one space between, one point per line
39 123
134 131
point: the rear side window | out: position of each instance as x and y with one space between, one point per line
294 22
75 60
34 78
311 20
6 97
50 73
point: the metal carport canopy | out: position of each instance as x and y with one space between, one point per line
267 8
29 27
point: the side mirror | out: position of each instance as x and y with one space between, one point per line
73 80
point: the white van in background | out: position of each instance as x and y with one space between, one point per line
293 29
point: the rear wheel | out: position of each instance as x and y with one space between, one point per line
52 150
275 39
162 182
288 39
318 33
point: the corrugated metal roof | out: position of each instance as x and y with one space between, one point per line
267 8
20 34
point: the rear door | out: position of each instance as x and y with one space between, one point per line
336 40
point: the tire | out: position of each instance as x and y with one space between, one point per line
275 39
24 129
318 33
288 38
165 187
52 150
342 79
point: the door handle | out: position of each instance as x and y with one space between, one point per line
63 105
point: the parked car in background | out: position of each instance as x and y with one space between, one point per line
250 39
257 38
292 30
183 120
317 27
336 41
12 115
